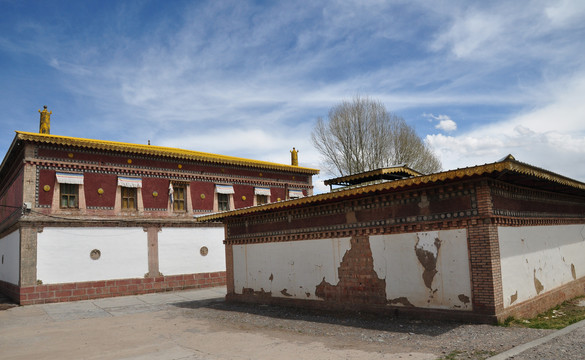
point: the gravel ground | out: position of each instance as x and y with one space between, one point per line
373 334
567 347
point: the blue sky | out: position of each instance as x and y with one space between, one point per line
477 80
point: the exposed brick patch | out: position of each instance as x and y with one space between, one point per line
358 282
42 294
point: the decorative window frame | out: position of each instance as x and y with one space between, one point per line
226 190
129 182
68 178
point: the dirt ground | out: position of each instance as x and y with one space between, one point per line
150 328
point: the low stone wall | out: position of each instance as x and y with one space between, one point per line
43 294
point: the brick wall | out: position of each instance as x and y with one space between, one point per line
43 294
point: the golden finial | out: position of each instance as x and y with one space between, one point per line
294 157
45 127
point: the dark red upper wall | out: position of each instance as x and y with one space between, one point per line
93 182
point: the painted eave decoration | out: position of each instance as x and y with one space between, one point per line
159 151
507 169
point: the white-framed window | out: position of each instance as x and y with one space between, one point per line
295 194
129 193
69 184
224 199
261 195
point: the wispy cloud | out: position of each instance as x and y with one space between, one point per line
249 79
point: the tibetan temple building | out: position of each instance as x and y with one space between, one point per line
475 244
83 218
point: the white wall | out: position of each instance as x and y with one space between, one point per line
297 266
179 250
539 258
63 254
10 258
396 261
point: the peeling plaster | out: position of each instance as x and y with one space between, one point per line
285 293
513 297
427 252
261 293
537 284
397 263
358 281
573 272
401 300
464 298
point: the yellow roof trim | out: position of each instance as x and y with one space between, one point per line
507 164
159 151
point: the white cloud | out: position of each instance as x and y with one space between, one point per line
551 136
445 122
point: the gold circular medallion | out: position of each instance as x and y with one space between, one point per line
100 191
70 155
244 198
46 188
129 161
155 193
202 196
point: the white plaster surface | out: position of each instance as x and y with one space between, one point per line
63 254
10 257
294 267
395 261
542 255
179 250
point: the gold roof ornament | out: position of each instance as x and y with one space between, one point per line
294 157
45 125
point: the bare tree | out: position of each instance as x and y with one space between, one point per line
361 135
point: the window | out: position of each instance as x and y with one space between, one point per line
179 198
295 194
224 197
69 194
262 195
129 198
69 189
261 199
223 202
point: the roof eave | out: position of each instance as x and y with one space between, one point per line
162 151
480 170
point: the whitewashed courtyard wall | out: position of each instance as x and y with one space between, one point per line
537 259
288 269
191 251
10 259
295 269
